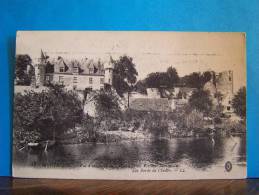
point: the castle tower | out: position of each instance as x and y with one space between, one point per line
39 74
39 69
108 73
224 82
224 85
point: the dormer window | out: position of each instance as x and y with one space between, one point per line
91 70
61 69
75 69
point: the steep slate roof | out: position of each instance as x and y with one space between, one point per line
85 65
151 104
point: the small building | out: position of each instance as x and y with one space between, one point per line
153 93
183 92
151 104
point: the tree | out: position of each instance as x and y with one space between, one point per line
49 113
49 67
153 80
107 109
172 76
194 120
107 104
239 102
124 74
197 79
23 77
192 80
201 101
207 76
166 79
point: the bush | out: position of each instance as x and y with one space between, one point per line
217 120
232 127
194 120
49 113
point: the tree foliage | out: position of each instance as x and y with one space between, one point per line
124 74
197 79
239 102
166 79
107 104
23 77
200 100
172 76
53 110
194 120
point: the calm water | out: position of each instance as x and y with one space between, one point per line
198 153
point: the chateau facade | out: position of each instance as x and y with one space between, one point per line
73 74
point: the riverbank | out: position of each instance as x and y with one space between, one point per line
119 136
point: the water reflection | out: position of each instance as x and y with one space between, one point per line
193 152
159 151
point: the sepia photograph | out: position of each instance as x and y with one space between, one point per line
129 105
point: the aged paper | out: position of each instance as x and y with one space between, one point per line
129 105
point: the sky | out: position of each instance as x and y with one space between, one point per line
152 51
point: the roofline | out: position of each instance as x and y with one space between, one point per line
84 74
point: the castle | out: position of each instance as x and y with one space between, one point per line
94 75
73 74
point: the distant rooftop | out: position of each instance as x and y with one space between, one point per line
150 104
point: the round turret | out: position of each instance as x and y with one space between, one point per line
108 73
108 65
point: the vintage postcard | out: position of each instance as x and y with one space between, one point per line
129 105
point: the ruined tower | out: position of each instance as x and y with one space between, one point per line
224 82
224 85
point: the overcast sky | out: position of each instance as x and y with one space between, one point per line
151 51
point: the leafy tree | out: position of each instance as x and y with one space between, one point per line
197 79
49 112
22 61
239 102
107 104
201 101
172 76
192 80
166 79
205 77
194 120
153 80
124 75
49 67
107 109
87 132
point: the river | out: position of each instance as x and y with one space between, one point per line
195 153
